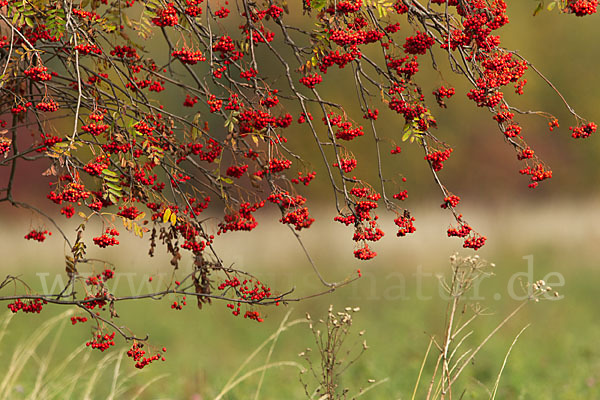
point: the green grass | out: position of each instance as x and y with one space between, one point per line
557 357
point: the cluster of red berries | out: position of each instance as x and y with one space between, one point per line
177 305
371 114
285 200
75 320
38 74
125 52
450 201
74 193
129 212
186 56
271 100
40 236
102 342
222 12
418 44
243 220
475 242
255 315
85 49
47 106
246 290
437 158
4 145
236 171
364 253
105 240
20 108
95 168
583 131
137 354
582 7
190 101
403 195
512 130
396 150
345 131
303 117
166 16
208 152
299 218
32 306
214 103
311 81
526 153
86 14
442 93
276 165
248 74
405 224
537 174
304 179
68 211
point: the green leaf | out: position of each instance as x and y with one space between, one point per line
114 187
551 6
111 179
407 132
109 172
539 8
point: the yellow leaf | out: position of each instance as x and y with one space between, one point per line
167 215
173 219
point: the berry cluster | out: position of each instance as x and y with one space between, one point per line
32 306
418 44
246 290
105 240
75 320
129 212
537 174
450 201
166 16
137 354
582 7
583 131
4 145
187 56
405 224
68 211
236 171
38 74
437 158
47 106
299 218
102 342
304 179
40 236
364 253
85 49
346 164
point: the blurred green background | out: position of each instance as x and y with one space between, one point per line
558 356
